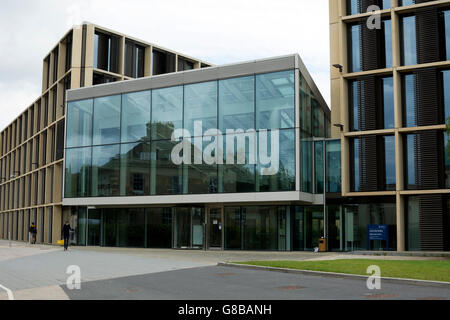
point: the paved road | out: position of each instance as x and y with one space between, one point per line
39 272
227 283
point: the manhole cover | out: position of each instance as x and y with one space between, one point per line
381 296
225 274
290 288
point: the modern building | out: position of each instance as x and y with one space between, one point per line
202 158
248 155
32 146
390 98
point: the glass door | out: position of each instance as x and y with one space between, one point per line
215 228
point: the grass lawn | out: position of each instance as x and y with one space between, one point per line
436 270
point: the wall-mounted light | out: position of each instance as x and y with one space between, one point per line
340 126
338 66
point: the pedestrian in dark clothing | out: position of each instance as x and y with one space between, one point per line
66 234
33 232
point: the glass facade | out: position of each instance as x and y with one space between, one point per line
227 136
412 224
355 6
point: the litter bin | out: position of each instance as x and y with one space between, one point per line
322 245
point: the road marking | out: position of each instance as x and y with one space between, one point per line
9 292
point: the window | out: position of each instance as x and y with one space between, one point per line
307 167
78 172
333 159
166 177
134 60
167 111
370 111
184 64
163 62
106 128
354 48
356 6
409 48
275 100
79 123
102 78
135 169
200 104
106 52
237 103
135 116
105 171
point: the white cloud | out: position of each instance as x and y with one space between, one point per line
216 31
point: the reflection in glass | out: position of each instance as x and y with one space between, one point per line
354 53
409 40
334 166
389 158
237 103
234 176
260 228
94 218
282 179
200 178
135 169
387 25
78 172
233 236
409 103
388 102
107 120
318 120
166 177
167 112
275 100
105 171
318 167
135 116
79 123
200 104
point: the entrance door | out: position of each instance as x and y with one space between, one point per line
215 228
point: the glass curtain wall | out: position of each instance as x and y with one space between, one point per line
122 145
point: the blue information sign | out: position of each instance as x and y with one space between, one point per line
377 232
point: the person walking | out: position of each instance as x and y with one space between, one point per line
33 232
66 234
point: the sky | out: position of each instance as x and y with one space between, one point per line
216 31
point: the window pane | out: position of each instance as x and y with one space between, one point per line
166 177
79 123
275 100
200 104
388 102
305 108
136 116
446 89
409 102
409 41
105 171
355 165
167 112
413 224
306 166
260 228
447 33
318 166
388 42
159 227
201 178
318 120
389 145
447 159
237 103
411 177
237 173
107 120
355 57
278 174
334 166
135 169
352 7
233 235
78 172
